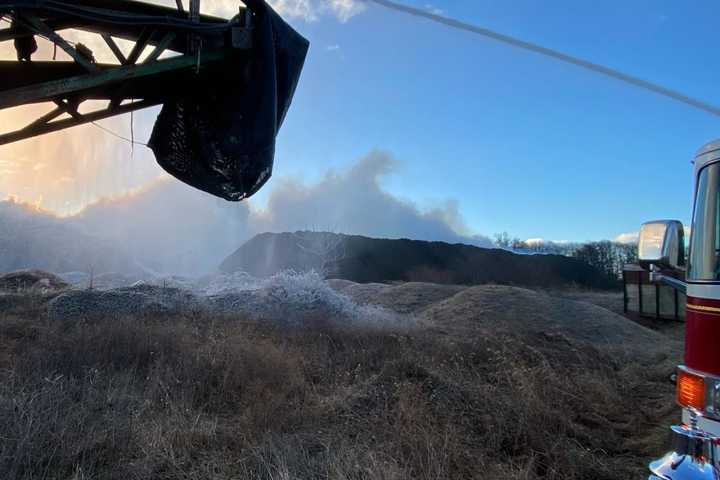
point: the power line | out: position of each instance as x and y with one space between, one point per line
117 135
579 62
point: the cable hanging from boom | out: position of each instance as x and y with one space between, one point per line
579 62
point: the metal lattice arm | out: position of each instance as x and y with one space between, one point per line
201 44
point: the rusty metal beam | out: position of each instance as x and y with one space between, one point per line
160 48
195 11
71 109
122 6
36 24
54 24
35 129
204 43
114 48
15 75
127 31
194 41
64 87
139 47
52 115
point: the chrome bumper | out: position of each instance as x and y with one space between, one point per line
694 455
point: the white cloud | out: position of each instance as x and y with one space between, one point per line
533 242
345 9
627 238
305 9
312 10
308 10
434 10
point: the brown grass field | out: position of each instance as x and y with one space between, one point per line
226 398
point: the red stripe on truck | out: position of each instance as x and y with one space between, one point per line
702 335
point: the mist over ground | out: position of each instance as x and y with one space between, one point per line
169 227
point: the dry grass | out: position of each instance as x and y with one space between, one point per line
200 398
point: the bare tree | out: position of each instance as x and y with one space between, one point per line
609 257
503 240
325 249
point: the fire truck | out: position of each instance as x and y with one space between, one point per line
695 452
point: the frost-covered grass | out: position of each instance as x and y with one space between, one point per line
302 291
288 297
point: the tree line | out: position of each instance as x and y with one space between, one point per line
607 256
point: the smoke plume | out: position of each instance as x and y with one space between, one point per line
169 227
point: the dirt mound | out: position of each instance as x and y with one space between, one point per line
121 302
611 300
339 285
243 399
413 297
409 298
548 319
493 309
31 281
284 299
364 292
456 312
365 260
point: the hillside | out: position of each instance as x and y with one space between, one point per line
362 259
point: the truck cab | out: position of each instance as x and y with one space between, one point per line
695 450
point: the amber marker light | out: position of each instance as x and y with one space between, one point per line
690 390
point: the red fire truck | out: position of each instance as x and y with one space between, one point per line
695 450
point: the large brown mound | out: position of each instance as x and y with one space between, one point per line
411 297
493 309
364 260
538 316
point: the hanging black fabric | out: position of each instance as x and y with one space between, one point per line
220 137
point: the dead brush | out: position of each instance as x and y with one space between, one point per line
197 397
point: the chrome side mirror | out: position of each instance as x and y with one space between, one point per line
662 243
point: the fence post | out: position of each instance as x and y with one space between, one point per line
625 295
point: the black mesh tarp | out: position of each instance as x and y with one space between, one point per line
220 137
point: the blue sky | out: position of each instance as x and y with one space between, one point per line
519 142
524 143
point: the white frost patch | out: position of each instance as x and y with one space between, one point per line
309 290
230 283
289 297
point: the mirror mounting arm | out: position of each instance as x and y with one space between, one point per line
657 276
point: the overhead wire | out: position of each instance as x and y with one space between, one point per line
563 57
117 135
